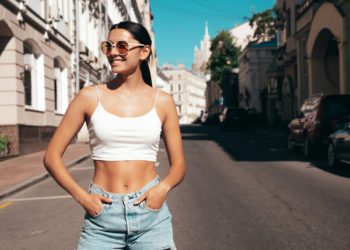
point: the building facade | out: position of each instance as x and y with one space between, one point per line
188 90
162 81
313 52
202 54
49 50
254 63
242 34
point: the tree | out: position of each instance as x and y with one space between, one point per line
224 56
265 25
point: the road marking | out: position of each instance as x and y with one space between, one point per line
6 204
42 198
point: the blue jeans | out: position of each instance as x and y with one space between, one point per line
122 225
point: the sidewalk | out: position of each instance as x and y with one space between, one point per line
23 171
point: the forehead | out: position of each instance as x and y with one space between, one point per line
120 34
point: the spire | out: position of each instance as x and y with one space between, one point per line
206 32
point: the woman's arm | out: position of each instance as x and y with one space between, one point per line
173 143
156 196
69 126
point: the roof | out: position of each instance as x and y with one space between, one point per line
271 43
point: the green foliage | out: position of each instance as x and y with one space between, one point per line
265 25
224 56
4 140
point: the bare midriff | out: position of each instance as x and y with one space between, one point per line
123 177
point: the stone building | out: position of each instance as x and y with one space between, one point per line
314 53
48 51
162 81
254 62
188 90
202 54
242 34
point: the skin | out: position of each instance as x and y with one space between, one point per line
128 96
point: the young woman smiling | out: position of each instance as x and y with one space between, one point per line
126 200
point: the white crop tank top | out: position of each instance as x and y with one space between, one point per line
116 138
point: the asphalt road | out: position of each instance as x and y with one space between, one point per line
243 190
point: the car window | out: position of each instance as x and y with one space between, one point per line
337 107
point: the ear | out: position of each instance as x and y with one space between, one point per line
145 52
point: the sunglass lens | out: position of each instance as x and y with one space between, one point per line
122 47
106 47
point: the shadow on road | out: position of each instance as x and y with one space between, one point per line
252 145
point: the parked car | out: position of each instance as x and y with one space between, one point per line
339 146
212 119
234 117
318 118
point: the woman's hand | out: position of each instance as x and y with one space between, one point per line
93 203
154 197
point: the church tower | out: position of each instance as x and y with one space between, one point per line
201 55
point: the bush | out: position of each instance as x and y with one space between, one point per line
4 140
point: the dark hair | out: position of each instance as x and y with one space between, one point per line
140 33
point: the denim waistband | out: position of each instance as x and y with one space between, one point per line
122 197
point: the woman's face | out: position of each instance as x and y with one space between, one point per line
125 63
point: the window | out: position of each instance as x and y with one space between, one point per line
179 87
55 92
34 76
60 85
27 81
288 23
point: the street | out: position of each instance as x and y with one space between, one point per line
243 190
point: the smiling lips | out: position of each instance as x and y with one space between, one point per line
117 61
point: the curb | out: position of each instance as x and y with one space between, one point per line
36 179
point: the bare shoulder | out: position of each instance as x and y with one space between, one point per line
85 99
165 99
167 105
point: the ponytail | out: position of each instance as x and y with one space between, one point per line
146 73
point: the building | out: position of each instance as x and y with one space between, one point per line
228 93
48 51
254 63
313 53
202 54
242 34
162 81
188 90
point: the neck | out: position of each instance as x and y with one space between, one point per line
128 83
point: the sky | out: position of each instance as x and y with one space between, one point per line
179 24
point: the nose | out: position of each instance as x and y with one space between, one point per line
114 51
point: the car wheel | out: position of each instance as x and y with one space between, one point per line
332 157
290 144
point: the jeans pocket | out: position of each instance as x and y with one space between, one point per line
105 207
145 206
100 212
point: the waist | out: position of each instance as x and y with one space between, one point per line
123 176
127 196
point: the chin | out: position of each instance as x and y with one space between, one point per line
117 69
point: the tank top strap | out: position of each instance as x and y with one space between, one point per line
98 93
155 102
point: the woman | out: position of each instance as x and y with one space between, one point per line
125 204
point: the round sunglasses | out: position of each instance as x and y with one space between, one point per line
123 47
